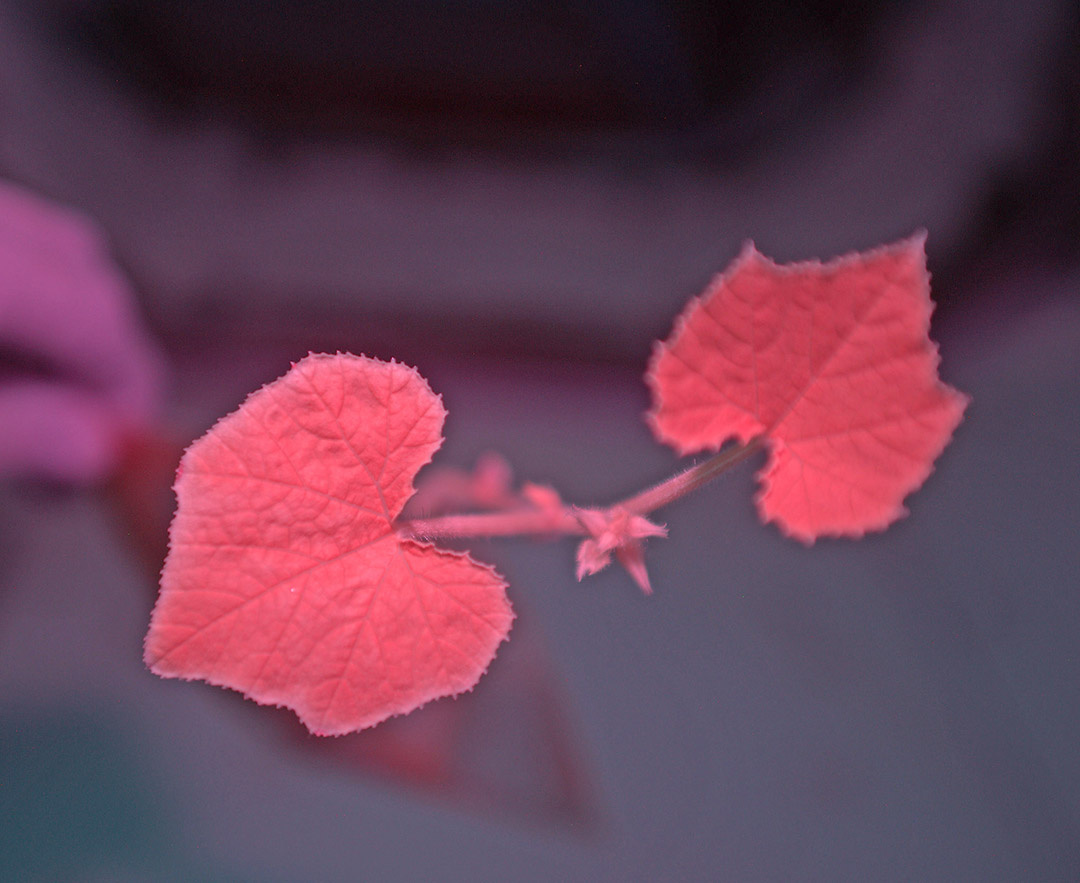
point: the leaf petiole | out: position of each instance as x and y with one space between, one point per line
690 479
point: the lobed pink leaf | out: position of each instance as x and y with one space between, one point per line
833 365
285 578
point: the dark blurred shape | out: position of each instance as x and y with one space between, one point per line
544 179
1030 209
510 73
140 489
510 748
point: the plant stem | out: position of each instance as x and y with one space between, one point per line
529 521
690 480
523 522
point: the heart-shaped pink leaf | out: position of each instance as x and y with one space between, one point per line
833 364
285 577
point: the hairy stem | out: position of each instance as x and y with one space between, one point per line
685 482
524 522
537 521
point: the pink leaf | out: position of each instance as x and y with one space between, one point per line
285 578
833 365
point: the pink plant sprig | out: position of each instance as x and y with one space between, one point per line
293 577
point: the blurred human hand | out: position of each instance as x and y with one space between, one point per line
78 371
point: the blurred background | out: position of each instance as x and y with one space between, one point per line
518 198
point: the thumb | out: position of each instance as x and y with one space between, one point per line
56 432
